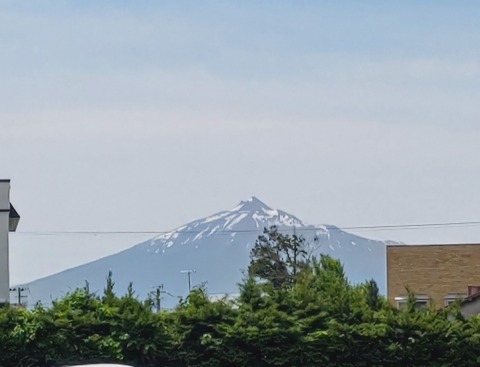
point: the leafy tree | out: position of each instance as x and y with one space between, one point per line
278 258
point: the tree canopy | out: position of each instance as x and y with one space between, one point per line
277 257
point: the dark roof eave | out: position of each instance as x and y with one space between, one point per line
13 212
471 298
14 218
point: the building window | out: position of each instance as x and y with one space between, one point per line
451 298
420 301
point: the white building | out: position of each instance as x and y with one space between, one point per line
8 223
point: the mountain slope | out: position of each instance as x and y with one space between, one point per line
217 248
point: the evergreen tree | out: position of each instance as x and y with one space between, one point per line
374 300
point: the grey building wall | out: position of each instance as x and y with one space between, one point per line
4 228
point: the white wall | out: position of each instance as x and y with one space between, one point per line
4 219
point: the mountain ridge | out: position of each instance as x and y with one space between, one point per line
217 247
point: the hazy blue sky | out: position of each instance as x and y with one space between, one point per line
143 115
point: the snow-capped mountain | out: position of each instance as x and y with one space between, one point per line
213 251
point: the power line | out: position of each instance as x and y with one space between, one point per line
415 226
54 233
259 230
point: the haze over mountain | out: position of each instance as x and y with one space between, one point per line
216 251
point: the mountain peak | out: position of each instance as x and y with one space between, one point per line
253 204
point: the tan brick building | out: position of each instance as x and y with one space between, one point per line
437 274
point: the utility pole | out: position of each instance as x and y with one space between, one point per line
188 271
158 296
19 291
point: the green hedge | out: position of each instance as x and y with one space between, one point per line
321 320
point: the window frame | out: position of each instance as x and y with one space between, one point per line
451 298
421 301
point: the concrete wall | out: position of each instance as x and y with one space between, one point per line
471 308
432 270
4 220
